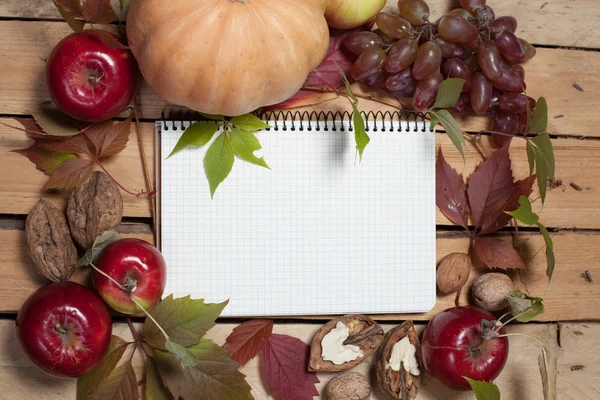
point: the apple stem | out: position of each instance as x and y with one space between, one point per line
60 329
113 280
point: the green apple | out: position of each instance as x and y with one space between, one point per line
349 14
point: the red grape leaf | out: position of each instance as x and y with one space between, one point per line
70 174
451 192
109 138
44 159
522 187
304 98
30 125
71 18
155 389
490 186
98 11
247 339
54 122
496 253
72 144
215 376
72 6
284 362
120 384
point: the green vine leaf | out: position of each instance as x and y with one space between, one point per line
98 246
183 355
539 121
198 134
525 308
120 384
218 161
360 134
544 143
549 251
448 93
155 389
484 390
249 123
214 117
244 145
524 212
530 157
452 129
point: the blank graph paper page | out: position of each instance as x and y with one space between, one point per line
318 233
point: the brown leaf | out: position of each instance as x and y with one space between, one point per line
451 192
98 11
72 6
110 40
522 187
72 144
70 174
496 253
29 124
247 339
44 159
109 138
120 384
490 186
71 18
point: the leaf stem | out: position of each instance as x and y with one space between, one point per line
134 331
370 97
118 184
522 334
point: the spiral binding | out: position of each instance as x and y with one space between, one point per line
379 121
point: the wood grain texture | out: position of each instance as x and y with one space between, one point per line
579 362
24 45
558 23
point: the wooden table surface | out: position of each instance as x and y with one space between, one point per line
566 34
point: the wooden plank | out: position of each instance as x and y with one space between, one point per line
567 298
24 45
519 380
579 361
576 20
577 161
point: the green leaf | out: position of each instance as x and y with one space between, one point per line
244 145
542 167
448 93
524 213
155 389
548 371
549 251
452 129
347 84
539 122
99 245
530 157
184 356
525 308
218 162
213 117
544 143
360 135
70 18
197 134
249 122
215 376
484 390
184 319
120 384
433 120
89 382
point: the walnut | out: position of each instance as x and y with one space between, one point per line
490 291
94 207
344 343
348 386
49 243
399 364
453 272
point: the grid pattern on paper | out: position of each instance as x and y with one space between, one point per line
319 233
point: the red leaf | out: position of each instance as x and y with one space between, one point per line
29 124
284 362
248 339
70 174
496 253
451 192
523 187
45 160
489 188
304 98
107 138
71 144
98 11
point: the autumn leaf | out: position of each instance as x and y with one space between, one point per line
120 384
110 40
70 18
53 122
155 389
304 98
98 11
248 339
496 253
215 375
489 187
284 361
109 138
44 159
29 124
451 192
72 6
70 174
72 144
184 319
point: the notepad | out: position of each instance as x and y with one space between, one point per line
319 233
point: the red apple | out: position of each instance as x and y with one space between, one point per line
139 267
88 79
64 328
453 347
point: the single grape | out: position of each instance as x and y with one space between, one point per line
472 5
393 25
495 101
463 104
509 46
519 70
456 68
472 63
473 44
402 81
528 48
490 59
385 39
426 32
504 123
485 15
357 42
414 11
523 128
402 54
514 102
369 62
481 93
450 50
461 12
429 58
506 23
456 29
376 80
427 90
510 81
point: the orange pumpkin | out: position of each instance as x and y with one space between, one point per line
227 57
